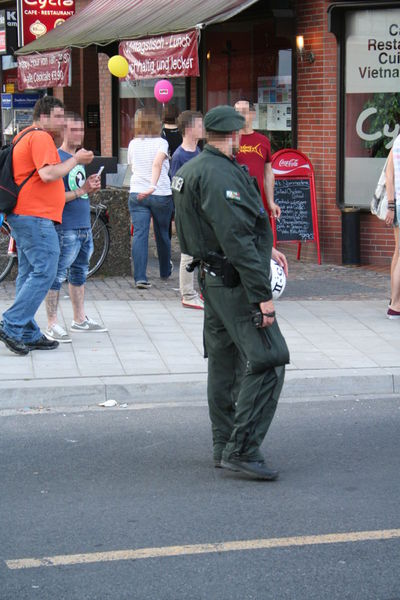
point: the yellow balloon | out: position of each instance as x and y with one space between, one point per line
118 66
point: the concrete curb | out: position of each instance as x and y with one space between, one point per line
87 391
342 382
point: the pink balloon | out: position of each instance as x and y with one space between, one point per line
163 91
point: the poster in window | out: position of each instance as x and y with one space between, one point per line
275 103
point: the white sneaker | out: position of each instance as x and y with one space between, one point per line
196 303
56 332
87 325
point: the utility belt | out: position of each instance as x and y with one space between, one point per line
217 265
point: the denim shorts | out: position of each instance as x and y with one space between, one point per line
76 248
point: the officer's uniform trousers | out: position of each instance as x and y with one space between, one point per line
242 392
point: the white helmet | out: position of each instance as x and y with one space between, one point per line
278 279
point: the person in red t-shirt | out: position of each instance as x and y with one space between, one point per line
255 153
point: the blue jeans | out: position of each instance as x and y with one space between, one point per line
38 251
76 248
160 208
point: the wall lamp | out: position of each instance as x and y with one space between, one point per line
304 55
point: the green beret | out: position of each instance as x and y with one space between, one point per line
223 119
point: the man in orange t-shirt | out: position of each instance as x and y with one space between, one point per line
40 204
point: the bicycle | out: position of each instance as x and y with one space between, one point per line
7 251
100 225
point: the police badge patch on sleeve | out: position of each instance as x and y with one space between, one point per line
177 183
232 195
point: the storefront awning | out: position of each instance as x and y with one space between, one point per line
106 21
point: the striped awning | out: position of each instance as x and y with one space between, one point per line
104 21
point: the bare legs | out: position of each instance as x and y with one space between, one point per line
77 295
395 274
52 299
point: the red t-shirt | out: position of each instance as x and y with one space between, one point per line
255 152
37 199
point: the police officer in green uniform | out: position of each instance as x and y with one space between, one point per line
221 221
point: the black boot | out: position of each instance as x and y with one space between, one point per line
42 344
255 469
12 344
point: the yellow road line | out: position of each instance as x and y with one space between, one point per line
168 551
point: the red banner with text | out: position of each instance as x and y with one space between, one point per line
172 55
37 17
45 70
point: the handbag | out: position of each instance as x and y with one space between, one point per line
379 202
263 347
278 354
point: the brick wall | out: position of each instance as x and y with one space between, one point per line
84 91
316 120
194 101
377 241
105 95
91 84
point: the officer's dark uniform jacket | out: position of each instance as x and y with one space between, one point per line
219 209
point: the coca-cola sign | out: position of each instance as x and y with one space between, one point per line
293 162
290 162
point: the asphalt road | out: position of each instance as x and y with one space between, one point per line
121 480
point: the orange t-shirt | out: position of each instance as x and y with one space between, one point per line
37 199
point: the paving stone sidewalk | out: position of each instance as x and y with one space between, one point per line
153 348
333 318
307 281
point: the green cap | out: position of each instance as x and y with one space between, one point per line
223 119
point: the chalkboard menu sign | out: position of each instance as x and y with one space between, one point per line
294 193
294 198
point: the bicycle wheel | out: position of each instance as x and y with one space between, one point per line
6 262
101 242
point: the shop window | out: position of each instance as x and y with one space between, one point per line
372 99
139 94
250 61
